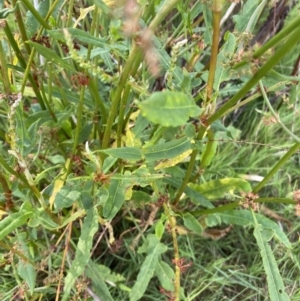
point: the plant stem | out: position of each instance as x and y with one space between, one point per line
121 114
23 64
6 191
4 71
189 170
208 149
21 26
172 223
42 21
117 96
214 52
133 58
223 208
162 13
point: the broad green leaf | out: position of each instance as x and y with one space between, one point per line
141 196
166 275
208 18
93 272
80 35
108 275
116 191
196 197
190 131
192 223
25 142
102 196
223 73
125 153
25 269
28 273
41 217
217 188
169 108
141 123
15 220
108 163
51 56
86 200
85 132
95 52
71 218
168 150
245 218
120 189
154 249
141 177
66 197
245 14
160 227
82 256
275 283
41 117
32 24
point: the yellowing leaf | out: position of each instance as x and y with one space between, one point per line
173 161
218 188
59 182
83 14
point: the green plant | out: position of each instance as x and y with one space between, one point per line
91 153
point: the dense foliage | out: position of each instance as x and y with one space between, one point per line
149 150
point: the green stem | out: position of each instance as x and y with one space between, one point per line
290 43
162 13
6 190
121 114
279 164
41 20
275 200
187 176
13 172
18 253
70 13
214 55
117 96
132 59
23 64
150 11
208 149
4 71
79 121
98 99
21 26
172 223
223 208
24 180
254 96
191 165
